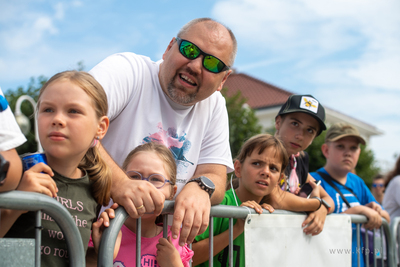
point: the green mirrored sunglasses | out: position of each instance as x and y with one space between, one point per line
191 51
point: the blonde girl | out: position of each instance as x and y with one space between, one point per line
71 114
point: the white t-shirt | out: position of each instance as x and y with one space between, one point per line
140 112
10 133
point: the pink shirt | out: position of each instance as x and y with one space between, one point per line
127 253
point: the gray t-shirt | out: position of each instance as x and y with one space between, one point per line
76 196
391 199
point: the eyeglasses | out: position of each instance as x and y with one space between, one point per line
155 179
192 51
378 185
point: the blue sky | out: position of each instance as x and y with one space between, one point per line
345 53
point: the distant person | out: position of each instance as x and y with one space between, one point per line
258 169
176 102
391 200
378 188
352 196
10 138
297 123
71 116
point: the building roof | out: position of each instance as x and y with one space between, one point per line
263 96
259 94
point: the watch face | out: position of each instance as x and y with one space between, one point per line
207 182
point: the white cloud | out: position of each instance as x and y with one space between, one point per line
348 52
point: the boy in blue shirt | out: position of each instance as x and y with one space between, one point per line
349 192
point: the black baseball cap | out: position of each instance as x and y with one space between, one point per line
306 104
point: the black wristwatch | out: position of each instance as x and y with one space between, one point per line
323 202
320 202
327 206
205 184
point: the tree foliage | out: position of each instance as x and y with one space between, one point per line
366 167
243 122
27 109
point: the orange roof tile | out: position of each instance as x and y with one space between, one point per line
259 94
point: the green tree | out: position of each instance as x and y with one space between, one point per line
243 122
366 167
31 90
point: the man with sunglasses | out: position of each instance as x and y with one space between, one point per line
174 101
378 187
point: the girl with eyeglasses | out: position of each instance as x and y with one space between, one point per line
154 163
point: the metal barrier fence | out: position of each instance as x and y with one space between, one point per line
38 202
106 251
394 229
386 241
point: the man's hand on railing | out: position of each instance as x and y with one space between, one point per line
192 212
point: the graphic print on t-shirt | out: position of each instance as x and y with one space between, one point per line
178 144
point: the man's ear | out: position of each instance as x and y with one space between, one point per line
224 80
325 150
168 48
238 168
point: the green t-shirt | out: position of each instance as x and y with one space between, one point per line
220 226
76 196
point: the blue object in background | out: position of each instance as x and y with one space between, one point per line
3 103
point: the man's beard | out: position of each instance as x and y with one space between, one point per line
179 96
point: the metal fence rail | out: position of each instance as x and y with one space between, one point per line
394 229
106 249
38 202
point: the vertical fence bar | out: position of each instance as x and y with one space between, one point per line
211 244
230 242
38 236
381 251
358 245
138 241
366 246
375 258
165 225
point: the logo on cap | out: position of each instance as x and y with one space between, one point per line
309 103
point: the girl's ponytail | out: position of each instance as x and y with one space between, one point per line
100 175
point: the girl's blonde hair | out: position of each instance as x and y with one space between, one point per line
97 169
262 142
162 151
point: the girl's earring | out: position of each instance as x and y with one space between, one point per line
95 141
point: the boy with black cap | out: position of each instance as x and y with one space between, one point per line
297 123
342 150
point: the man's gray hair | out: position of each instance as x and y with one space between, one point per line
213 24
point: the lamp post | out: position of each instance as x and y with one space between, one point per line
24 122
